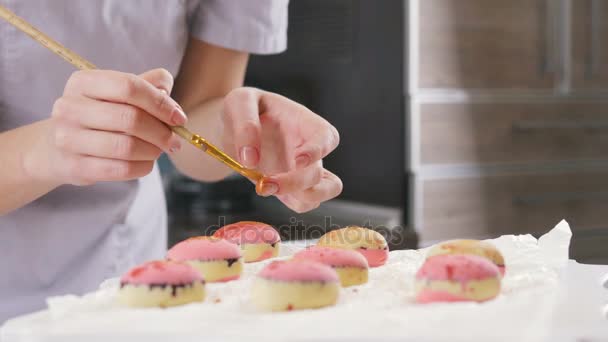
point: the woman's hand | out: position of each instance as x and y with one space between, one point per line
111 126
285 141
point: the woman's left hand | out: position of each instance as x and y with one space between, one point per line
285 141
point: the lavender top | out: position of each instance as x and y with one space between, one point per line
74 237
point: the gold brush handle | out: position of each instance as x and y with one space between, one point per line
216 153
82 64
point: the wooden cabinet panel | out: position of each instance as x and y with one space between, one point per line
486 44
513 132
496 205
483 47
589 44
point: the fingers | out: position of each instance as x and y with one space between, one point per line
84 170
116 117
105 145
242 118
129 89
112 126
329 186
318 145
318 137
293 181
295 140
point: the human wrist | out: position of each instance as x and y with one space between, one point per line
36 160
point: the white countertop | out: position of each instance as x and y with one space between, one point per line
582 311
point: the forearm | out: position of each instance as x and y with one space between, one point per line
21 154
208 73
205 121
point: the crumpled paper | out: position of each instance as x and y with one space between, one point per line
382 309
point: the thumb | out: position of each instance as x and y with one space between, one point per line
243 119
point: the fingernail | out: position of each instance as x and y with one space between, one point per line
175 145
178 118
302 161
269 189
249 156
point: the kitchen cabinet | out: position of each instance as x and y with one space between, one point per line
486 133
519 44
507 122
477 207
486 44
589 36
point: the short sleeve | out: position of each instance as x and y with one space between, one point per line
255 26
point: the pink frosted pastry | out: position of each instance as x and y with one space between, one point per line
216 259
161 284
457 277
368 242
474 247
295 284
351 267
258 241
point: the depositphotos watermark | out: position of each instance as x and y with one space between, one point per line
297 230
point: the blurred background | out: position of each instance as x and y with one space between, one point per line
458 119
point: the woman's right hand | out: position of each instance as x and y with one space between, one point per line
110 126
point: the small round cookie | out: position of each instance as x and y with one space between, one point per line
295 284
351 267
258 241
473 247
368 242
161 284
216 259
457 277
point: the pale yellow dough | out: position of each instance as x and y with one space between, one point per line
353 237
471 247
350 276
217 270
144 296
476 290
252 252
272 295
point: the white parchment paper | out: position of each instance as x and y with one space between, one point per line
383 309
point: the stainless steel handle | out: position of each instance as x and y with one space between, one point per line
529 126
560 197
593 55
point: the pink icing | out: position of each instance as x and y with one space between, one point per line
248 232
204 248
453 267
333 256
161 272
502 270
375 257
298 270
223 280
428 296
